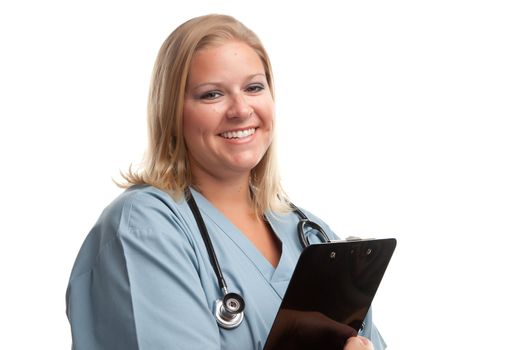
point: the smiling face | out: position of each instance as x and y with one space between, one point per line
228 111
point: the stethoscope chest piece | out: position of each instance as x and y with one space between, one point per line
229 311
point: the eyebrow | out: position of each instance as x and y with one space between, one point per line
217 83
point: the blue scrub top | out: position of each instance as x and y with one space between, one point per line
143 279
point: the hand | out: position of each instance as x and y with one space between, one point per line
358 343
308 330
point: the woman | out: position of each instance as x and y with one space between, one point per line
143 277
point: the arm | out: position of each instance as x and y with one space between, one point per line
144 289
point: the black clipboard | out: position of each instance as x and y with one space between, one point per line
329 294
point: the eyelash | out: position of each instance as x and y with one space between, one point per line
258 87
212 95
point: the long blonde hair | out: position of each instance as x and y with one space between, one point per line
166 164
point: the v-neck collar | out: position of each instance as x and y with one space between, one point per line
271 274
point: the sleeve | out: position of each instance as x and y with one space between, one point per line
144 291
370 331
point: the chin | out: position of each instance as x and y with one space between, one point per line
246 165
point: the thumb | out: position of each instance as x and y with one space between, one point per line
358 343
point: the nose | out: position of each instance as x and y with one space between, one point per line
239 108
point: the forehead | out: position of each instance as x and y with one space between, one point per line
230 59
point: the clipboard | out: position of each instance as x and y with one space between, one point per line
329 294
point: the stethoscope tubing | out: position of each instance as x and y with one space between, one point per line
303 223
207 241
227 317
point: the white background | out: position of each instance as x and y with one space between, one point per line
396 118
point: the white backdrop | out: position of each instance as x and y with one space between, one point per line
396 118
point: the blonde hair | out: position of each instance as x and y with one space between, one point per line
166 164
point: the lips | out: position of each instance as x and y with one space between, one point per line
238 134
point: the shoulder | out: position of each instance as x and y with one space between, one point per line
139 216
141 206
142 196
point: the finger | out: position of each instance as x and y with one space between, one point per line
342 330
358 343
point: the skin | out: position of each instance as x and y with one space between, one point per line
227 92
308 330
358 343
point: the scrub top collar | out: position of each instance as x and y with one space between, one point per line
273 275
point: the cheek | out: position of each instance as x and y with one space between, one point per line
270 116
186 128
192 119
190 127
266 111
201 121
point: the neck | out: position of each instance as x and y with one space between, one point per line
227 194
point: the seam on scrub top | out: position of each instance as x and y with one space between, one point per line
109 242
129 284
96 260
176 209
178 226
179 229
181 225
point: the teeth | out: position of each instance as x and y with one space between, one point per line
238 134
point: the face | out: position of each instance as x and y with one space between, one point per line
228 111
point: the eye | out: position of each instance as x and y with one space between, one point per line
255 88
210 95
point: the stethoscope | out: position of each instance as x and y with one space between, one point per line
229 311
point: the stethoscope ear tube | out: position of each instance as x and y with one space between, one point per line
303 224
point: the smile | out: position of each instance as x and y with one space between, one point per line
238 134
